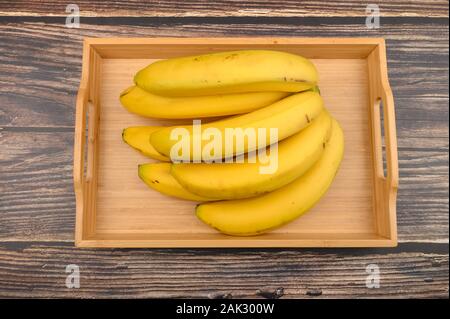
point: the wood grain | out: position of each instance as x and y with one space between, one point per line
36 192
38 269
236 8
422 113
37 201
41 91
40 72
121 212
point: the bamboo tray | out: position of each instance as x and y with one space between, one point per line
115 209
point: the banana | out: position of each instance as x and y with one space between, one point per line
289 116
228 72
296 154
138 137
157 176
139 101
253 216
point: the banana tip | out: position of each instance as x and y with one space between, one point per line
126 91
197 211
140 171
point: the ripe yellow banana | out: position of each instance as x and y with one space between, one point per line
289 116
138 137
139 101
253 216
296 154
228 72
157 176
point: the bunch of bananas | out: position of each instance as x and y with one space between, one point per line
262 90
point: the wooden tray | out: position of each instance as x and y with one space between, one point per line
114 208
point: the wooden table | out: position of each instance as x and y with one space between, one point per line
39 74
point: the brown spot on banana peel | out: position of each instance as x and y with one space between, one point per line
285 79
231 56
307 118
297 80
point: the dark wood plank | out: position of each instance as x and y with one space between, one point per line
37 201
38 269
40 91
181 8
36 189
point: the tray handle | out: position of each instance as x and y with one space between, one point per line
390 135
83 168
385 99
83 154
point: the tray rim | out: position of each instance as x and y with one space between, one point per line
84 169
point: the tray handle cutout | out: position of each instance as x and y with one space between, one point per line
84 140
385 129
